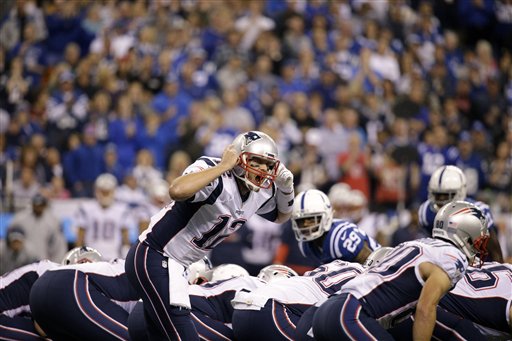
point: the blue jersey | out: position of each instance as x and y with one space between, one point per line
390 290
343 241
427 214
483 296
15 287
431 158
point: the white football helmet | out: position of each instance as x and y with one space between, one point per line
255 148
312 215
104 189
376 256
463 224
227 271
447 183
200 272
276 271
81 254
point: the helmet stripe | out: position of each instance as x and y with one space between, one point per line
464 210
441 176
303 200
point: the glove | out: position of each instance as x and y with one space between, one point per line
284 179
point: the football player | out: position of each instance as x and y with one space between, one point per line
87 301
103 223
412 277
448 183
212 199
15 286
324 238
279 305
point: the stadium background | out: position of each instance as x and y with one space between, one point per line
375 94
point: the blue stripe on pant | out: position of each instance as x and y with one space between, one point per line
342 318
18 328
273 322
151 280
67 306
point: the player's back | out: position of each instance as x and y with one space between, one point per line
483 295
219 295
103 226
109 277
15 287
389 291
301 292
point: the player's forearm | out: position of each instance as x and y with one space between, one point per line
494 247
187 185
424 322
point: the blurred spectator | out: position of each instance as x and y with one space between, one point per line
252 23
234 115
43 234
500 170
111 164
67 108
144 170
130 192
56 189
354 165
13 251
85 164
471 164
24 188
333 141
178 161
22 14
53 164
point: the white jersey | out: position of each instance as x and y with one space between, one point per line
110 278
15 287
389 291
187 230
484 296
103 226
247 283
301 291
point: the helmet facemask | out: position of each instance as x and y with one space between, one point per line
253 173
308 227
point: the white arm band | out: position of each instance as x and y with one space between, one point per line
285 201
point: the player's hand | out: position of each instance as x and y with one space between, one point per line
284 179
229 157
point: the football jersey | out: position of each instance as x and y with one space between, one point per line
103 226
301 292
187 230
219 295
110 278
15 287
390 291
483 295
427 214
343 241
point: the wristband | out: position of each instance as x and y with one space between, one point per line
285 201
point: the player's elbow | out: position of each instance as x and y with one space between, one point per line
177 192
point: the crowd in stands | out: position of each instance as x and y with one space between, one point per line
375 94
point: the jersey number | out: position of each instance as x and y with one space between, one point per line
329 280
483 280
352 242
212 237
103 230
